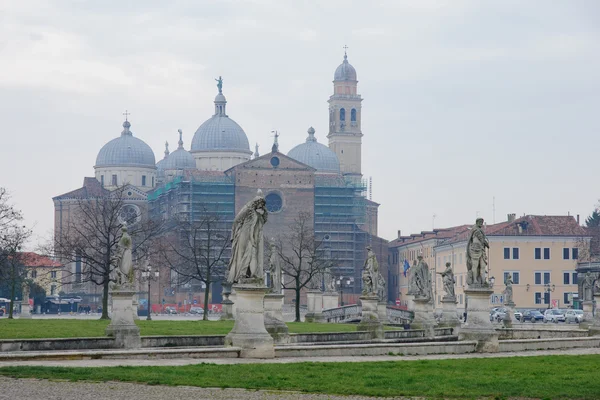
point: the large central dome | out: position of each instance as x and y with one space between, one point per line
220 133
315 154
126 150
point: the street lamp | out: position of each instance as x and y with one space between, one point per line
340 283
548 287
149 276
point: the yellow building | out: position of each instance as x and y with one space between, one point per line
43 271
539 252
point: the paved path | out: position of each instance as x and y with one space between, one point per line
34 389
191 361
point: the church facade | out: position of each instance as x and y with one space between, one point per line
219 174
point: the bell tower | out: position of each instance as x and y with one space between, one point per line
345 134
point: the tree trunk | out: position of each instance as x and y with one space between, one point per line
297 290
105 299
13 283
205 316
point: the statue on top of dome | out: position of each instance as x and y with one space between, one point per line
220 84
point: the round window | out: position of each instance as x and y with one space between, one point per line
275 161
274 202
129 214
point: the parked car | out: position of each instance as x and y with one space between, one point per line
532 315
518 315
498 314
170 310
197 310
574 316
554 315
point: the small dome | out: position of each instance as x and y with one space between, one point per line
160 166
315 154
345 72
180 158
126 150
220 133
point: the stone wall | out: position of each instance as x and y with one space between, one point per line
514 333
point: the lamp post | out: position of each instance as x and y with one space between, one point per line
548 287
340 283
149 276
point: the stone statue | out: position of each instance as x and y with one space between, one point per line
367 283
329 281
220 84
274 268
124 259
247 243
508 292
476 255
448 280
381 292
25 291
588 286
412 286
423 280
371 267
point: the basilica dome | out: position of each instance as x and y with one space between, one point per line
180 158
126 150
315 154
220 133
345 71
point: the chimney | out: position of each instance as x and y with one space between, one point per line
399 233
577 219
512 217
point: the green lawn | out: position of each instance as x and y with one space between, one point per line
64 328
549 377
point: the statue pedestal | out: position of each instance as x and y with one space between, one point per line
314 300
449 316
233 299
135 304
370 318
410 302
274 318
330 300
25 309
595 322
424 319
122 327
249 331
588 314
382 312
227 310
478 326
508 317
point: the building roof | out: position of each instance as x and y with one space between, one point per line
91 188
345 71
34 260
440 234
315 154
126 150
180 158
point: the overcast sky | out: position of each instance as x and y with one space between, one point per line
464 101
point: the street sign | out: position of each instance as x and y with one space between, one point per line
397 302
195 301
497 298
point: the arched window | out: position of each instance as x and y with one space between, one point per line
342 114
353 115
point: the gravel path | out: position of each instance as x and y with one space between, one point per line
35 389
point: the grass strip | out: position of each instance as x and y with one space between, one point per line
546 377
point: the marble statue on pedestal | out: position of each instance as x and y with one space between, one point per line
329 281
508 291
124 260
381 291
370 275
588 286
274 268
476 255
448 280
412 286
247 253
423 288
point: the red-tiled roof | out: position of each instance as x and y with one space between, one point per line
91 188
29 259
426 235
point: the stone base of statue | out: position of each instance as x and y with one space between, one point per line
314 309
382 312
594 327
135 304
508 317
274 318
233 299
410 303
588 314
330 300
370 317
478 326
449 315
122 326
25 309
423 318
249 331
226 310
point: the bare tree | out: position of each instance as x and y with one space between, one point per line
196 250
304 258
92 235
13 236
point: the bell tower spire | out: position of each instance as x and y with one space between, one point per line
345 133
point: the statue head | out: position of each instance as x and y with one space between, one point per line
368 248
479 222
448 264
124 229
420 257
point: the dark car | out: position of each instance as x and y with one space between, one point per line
532 315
